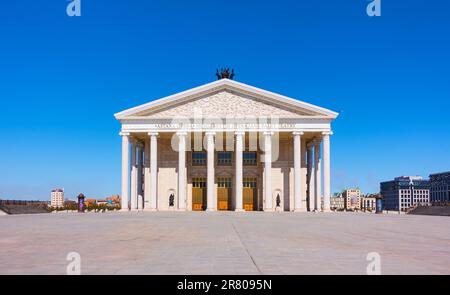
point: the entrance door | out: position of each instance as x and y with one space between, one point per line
198 194
223 193
249 194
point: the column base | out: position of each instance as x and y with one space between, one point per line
124 210
328 210
210 210
268 210
239 210
133 210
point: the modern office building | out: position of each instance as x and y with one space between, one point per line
226 146
405 192
352 198
57 198
440 187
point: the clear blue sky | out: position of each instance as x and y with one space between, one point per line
62 79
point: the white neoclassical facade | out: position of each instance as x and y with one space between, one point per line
226 146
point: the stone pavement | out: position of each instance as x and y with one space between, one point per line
224 243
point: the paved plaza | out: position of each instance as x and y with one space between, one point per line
224 243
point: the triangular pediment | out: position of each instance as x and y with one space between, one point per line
225 98
222 104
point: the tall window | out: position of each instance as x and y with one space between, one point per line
198 158
249 158
224 158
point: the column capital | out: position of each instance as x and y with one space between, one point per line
124 133
239 133
327 133
153 133
298 133
210 133
268 133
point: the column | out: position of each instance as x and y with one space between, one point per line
140 170
304 170
239 174
125 170
297 172
326 171
134 174
147 179
317 176
211 204
268 171
309 156
181 170
153 169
